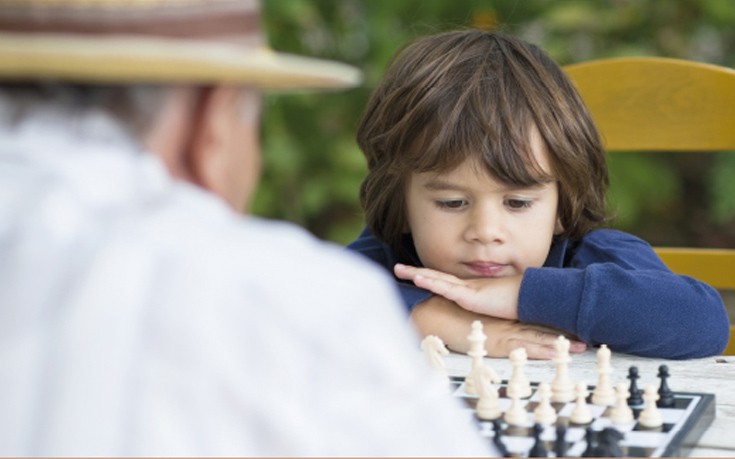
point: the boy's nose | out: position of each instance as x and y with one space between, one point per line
486 227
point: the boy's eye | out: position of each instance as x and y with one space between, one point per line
518 203
451 204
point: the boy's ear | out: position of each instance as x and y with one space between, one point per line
558 227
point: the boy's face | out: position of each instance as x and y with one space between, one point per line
467 224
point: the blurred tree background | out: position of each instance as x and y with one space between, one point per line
313 168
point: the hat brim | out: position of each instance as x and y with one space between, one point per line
126 59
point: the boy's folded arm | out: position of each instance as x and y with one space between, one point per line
648 312
611 288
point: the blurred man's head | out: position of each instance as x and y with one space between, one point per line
181 78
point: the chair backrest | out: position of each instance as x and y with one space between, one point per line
662 104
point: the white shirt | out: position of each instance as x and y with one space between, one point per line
141 316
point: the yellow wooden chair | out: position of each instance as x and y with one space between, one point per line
662 104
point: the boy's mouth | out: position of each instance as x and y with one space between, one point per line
486 268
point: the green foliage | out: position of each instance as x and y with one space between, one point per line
644 193
313 168
723 189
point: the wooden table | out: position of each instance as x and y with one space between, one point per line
715 375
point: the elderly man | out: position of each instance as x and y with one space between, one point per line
140 312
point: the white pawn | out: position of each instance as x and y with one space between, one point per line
518 358
650 416
581 413
544 414
621 413
487 407
434 349
604 394
516 414
562 387
477 351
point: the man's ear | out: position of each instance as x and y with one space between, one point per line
170 135
204 150
224 150
209 136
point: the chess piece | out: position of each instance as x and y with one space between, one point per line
434 349
562 388
488 406
665 395
538 449
488 373
560 442
581 413
498 439
621 413
518 358
604 394
650 416
635 394
544 414
590 449
477 351
608 443
516 414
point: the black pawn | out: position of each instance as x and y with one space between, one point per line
538 449
634 398
560 443
665 395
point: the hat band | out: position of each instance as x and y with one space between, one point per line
238 20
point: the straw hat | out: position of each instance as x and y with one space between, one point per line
168 41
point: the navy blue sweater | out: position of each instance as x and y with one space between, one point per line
608 288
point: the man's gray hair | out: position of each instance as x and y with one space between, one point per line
133 107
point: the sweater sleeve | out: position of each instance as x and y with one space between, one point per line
612 288
369 246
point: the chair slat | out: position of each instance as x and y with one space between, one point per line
659 104
713 266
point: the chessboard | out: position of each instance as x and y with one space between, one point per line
560 418
683 424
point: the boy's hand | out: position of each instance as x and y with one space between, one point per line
496 297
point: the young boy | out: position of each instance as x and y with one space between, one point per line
486 189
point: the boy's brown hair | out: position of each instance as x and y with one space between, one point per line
477 95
